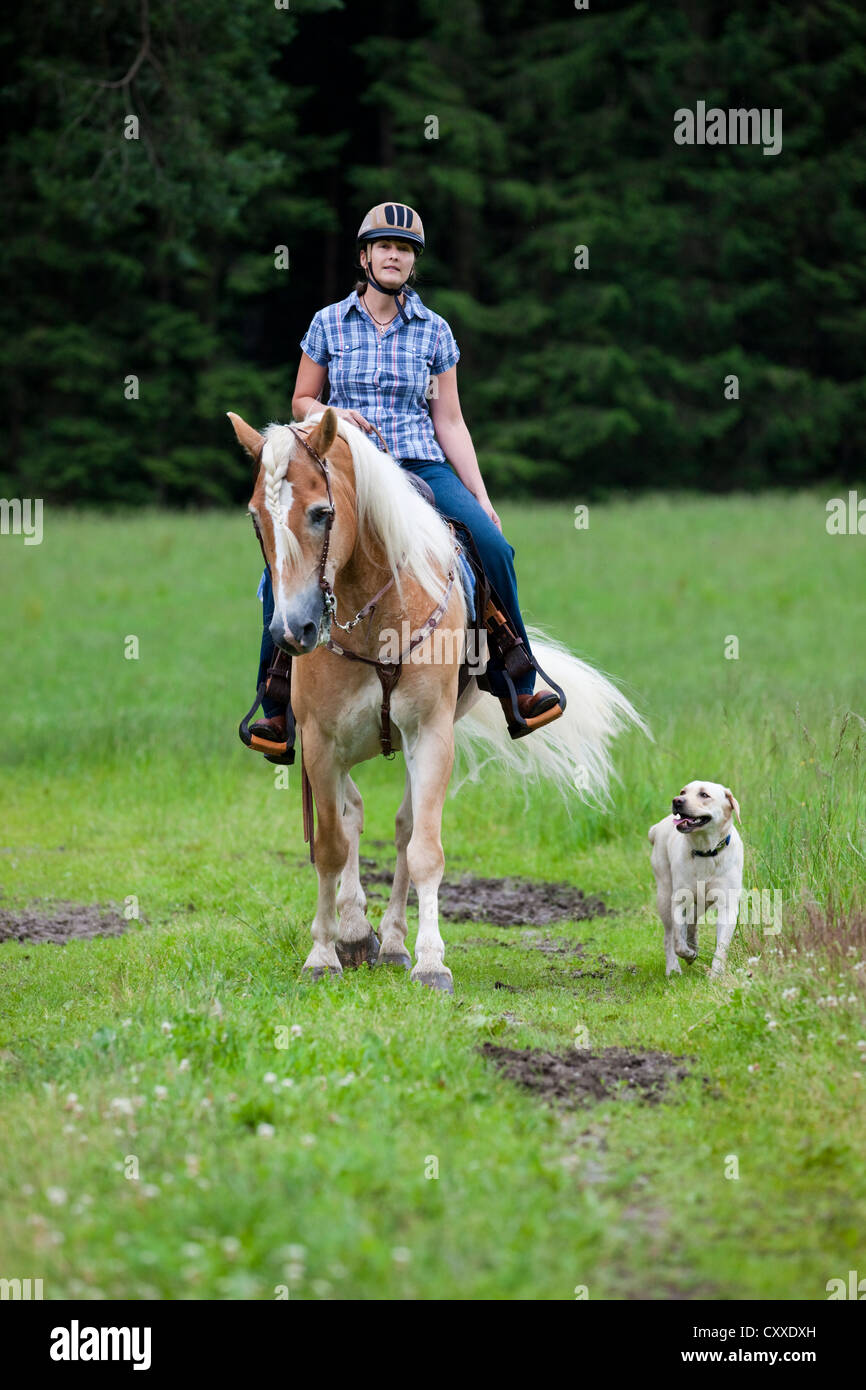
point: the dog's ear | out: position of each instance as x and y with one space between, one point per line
735 805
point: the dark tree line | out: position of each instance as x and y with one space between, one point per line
142 299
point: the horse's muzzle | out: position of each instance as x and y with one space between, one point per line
295 629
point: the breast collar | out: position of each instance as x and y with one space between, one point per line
711 853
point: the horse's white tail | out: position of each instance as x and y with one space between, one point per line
573 752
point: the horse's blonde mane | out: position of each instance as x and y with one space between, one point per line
388 507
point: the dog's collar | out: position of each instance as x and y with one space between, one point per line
710 853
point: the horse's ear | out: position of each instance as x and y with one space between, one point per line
247 437
324 434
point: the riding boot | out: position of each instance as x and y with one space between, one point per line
524 711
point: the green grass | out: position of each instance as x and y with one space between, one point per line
126 778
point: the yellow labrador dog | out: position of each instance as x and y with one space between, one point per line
697 859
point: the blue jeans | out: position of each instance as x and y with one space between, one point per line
497 556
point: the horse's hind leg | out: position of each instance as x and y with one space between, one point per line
393 927
357 941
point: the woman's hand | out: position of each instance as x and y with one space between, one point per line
487 506
355 418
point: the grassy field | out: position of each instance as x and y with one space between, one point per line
182 1117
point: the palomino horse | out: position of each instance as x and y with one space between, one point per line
337 515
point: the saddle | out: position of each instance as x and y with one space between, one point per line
486 620
487 617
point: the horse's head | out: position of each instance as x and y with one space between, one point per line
290 509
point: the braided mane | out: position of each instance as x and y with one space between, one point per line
275 462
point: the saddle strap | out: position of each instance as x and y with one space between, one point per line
512 651
279 680
388 677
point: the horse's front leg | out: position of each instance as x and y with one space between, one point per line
393 926
357 941
331 849
429 761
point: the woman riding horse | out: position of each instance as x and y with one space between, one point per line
378 348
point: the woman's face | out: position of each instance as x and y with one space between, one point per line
391 261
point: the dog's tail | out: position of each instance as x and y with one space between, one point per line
573 752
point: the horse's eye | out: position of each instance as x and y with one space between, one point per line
318 515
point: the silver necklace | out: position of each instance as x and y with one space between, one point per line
379 324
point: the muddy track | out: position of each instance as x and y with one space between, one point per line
502 902
59 922
579 1075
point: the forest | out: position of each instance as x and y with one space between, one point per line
183 184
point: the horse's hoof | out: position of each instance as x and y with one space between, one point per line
436 979
396 958
315 972
353 954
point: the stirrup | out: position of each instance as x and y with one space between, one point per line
517 661
517 726
283 754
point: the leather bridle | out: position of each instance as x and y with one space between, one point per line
330 614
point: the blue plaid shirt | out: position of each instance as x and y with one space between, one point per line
385 376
